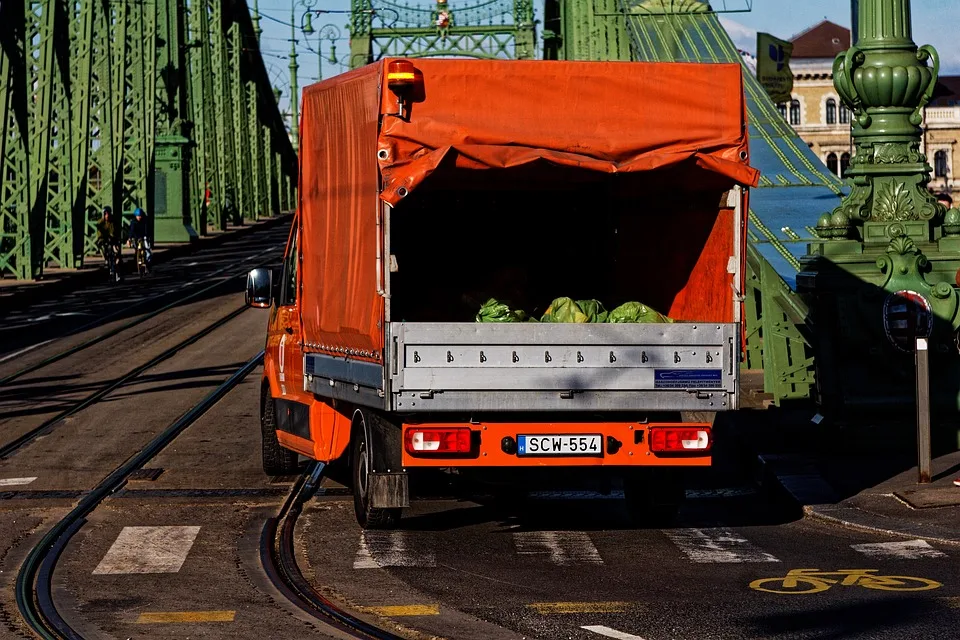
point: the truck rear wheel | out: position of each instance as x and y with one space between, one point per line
277 460
653 496
367 516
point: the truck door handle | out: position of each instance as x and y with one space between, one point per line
288 330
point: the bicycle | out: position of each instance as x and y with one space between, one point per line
806 581
141 257
111 257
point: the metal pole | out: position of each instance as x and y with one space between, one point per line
923 411
294 89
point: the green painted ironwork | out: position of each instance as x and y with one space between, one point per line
885 269
93 115
490 29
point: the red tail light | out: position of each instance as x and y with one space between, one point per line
680 439
437 440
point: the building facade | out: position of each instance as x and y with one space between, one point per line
823 122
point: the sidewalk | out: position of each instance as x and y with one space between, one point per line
873 489
16 294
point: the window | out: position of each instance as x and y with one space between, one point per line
832 163
844 114
940 169
782 108
844 164
288 277
794 112
831 111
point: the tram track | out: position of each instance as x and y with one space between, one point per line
220 281
279 560
33 588
11 448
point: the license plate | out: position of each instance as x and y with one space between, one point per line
560 445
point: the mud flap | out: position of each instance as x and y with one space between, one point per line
389 490
389 486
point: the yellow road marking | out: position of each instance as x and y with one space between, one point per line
155 617
578 607
393 611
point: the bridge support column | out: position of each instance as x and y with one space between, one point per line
884 270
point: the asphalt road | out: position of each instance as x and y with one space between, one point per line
175 553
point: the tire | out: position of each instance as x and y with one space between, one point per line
277 460
367 516
653 497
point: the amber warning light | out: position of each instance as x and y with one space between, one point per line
400 76
401 80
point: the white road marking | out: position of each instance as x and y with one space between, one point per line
906 550
13 355
14 482
148 550
717 545
390 549
599 629
562 547
727 492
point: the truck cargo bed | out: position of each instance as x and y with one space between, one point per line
544 367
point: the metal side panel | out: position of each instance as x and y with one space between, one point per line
343 379
533 366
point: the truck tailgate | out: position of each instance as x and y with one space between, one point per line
563 367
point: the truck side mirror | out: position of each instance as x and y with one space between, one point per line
259 288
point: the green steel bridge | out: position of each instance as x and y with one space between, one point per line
164 105
167 105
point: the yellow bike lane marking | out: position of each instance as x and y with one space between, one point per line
810 581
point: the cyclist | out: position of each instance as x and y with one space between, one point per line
108 239
138 233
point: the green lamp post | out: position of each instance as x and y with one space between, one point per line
884 270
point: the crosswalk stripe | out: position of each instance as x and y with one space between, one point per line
562 547
390 549
905 550
717 545
148 550
610 633
15 482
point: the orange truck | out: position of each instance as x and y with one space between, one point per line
428 186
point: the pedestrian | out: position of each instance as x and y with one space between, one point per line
138 232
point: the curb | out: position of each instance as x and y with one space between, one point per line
79 279
813 496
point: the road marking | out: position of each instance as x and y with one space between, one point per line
545 608
562 547
610 633
717 545
13 355
13 482
905 550
712 494
398 610
148 550
160 617
809 581
389 549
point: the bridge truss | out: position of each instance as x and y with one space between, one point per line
162 105
481 29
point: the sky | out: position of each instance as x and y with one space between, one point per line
936 22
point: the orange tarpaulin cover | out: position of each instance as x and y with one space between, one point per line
606 117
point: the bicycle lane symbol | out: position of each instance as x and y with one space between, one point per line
807 581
